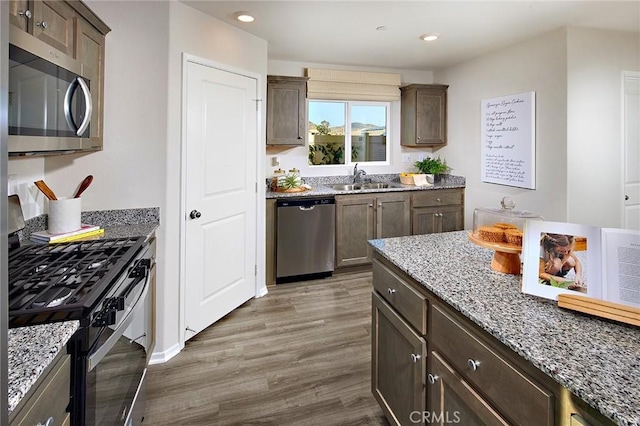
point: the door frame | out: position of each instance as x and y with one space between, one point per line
623 145
260 283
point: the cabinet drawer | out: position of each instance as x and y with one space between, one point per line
514 394
440 197
50 398
399 294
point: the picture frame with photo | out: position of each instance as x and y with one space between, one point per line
567 258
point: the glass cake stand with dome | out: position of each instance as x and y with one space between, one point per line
501 229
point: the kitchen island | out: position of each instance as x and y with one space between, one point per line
596 360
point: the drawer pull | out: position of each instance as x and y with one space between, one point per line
49 422
432 378
473 364
415 357
391 290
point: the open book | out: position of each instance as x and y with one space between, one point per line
566 258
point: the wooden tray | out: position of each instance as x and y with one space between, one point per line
299 189
600 308
506 258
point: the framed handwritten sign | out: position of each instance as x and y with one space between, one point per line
508 151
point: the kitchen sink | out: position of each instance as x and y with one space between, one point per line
356 186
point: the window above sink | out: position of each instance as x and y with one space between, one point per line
363 139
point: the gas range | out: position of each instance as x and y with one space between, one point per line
105 284
68 281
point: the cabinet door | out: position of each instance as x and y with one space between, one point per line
19 10
423 115
425 220
452 400
90 52
286 111
393 215
430 220
431 117
451 219
398 366
53 24
354 227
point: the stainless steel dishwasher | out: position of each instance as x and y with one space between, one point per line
305 246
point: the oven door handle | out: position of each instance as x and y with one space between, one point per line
100 352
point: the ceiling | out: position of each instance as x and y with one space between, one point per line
344 32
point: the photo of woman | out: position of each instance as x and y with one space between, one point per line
559 264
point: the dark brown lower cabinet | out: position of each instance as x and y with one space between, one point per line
452 400
398 367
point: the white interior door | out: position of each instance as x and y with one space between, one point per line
631 149
220 195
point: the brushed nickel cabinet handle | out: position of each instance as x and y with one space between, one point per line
415 358
391 290
432 378
25 14
42 24
473 364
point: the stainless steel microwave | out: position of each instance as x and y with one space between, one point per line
50 101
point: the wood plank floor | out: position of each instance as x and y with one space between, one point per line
299 356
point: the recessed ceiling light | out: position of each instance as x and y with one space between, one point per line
244 17
428 37
381 28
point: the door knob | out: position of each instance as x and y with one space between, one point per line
195 214
626 198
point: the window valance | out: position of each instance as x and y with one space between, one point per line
352 85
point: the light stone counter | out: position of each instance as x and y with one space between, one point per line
30 351
320 186
596 359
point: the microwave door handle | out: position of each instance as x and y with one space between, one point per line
67 105
88 106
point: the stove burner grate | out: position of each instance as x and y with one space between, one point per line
58 282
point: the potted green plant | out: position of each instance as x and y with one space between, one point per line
433 166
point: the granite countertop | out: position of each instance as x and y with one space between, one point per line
31 349
596 359
319 185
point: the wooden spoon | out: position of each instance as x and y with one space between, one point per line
83 185
45 190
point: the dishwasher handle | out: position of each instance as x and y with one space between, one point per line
305 203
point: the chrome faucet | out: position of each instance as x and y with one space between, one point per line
357 174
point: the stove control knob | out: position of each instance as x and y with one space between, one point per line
195 214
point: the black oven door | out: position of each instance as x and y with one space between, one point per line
116 362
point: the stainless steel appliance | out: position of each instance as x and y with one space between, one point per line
104 284
305 247
50 100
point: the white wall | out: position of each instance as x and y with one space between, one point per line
595 63
297 157
195 33
537 65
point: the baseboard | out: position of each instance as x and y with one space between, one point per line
262 291
162 357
